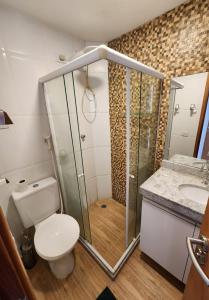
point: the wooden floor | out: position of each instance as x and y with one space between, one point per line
136 281
108 229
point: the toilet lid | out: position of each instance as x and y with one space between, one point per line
56 236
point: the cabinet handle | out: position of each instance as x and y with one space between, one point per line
203 242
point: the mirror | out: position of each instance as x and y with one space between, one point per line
187 135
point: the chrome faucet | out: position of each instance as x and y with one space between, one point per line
205 170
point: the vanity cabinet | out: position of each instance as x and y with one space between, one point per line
163 238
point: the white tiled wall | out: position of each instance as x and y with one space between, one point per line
29 49
185 124
96 147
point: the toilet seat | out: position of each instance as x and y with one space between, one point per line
56 236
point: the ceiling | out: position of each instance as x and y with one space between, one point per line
94 20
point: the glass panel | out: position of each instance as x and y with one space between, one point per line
148 124
96 130
63 146
73 116
135 93
144 109
117 115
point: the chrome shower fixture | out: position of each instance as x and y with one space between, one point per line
5 120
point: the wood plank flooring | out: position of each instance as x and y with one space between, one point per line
108 229
136 281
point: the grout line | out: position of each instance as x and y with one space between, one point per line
26 167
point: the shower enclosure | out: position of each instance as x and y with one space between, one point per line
103 112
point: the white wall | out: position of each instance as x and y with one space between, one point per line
185 124
29 49
96 147
101 131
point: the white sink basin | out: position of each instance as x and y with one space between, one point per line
194 192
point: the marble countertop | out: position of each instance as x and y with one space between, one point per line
163 188
186 160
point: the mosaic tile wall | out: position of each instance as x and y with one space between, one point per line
117 100
176 44
144 109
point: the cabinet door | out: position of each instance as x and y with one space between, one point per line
163 238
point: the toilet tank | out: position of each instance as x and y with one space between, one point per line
39 201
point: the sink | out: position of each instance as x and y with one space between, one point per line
194 192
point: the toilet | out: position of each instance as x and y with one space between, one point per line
55 234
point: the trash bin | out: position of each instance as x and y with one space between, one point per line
28 252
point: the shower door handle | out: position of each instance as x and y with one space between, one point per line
80 175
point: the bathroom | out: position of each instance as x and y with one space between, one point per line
103 137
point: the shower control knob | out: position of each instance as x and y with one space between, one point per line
80 175
83 137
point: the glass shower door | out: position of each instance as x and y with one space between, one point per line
133 86
148 125
144 98
76 138
66 150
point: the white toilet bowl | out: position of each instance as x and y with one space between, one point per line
55 238
56 234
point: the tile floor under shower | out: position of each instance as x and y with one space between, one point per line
107 223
